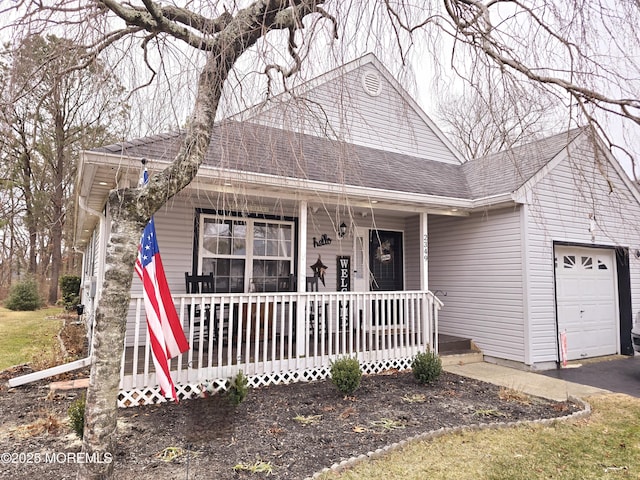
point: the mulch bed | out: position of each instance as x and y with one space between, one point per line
294 430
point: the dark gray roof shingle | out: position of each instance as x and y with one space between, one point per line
249 147
506 171
255 148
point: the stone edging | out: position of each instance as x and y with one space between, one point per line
353 461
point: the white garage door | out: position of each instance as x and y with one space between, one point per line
587 304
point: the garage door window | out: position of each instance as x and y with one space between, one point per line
586 263
569 262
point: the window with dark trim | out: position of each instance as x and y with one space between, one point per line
245 254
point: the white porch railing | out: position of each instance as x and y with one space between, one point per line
280 338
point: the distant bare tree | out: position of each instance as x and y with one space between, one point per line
49 112
486 116
557 45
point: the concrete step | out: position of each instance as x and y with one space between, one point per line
451 344
457 350
461 358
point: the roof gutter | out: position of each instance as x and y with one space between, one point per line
494 201
368 194
206 172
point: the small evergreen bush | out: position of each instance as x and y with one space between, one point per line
346 374
70 286
426 367
24 296
238 389
76 416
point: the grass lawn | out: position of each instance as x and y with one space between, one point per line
605 445
29 337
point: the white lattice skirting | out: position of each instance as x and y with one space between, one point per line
152 395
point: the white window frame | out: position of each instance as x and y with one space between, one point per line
249 256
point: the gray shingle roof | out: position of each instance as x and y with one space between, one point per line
255 148
508 170
259 149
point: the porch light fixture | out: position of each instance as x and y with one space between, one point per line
343 230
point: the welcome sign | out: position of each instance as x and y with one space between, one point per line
344 273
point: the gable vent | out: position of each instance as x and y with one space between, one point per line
372 83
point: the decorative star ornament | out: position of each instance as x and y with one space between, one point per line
319 269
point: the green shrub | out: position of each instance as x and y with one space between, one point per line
76 416
426 367
70 286
238 389
24 296
346 374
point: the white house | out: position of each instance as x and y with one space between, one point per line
328 216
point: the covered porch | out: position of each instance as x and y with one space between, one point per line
280 338
253 232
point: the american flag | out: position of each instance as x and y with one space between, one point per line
164 327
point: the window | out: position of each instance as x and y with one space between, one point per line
245 254
569 261
223 252
272 247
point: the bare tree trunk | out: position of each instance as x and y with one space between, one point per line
57 202
128 220
131 209
30 217
101 412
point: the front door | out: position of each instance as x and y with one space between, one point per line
385 260
360 263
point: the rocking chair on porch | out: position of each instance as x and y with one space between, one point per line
312 286
199 284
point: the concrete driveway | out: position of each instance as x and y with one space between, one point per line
616 374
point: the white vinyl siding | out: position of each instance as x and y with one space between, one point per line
341 109
559 210
477 260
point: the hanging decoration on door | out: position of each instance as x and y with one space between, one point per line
319 269
384 252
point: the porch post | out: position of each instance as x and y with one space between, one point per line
429 334
301 336
424 264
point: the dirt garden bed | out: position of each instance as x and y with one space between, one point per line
289 431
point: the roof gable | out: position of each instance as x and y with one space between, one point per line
359 103
585 145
